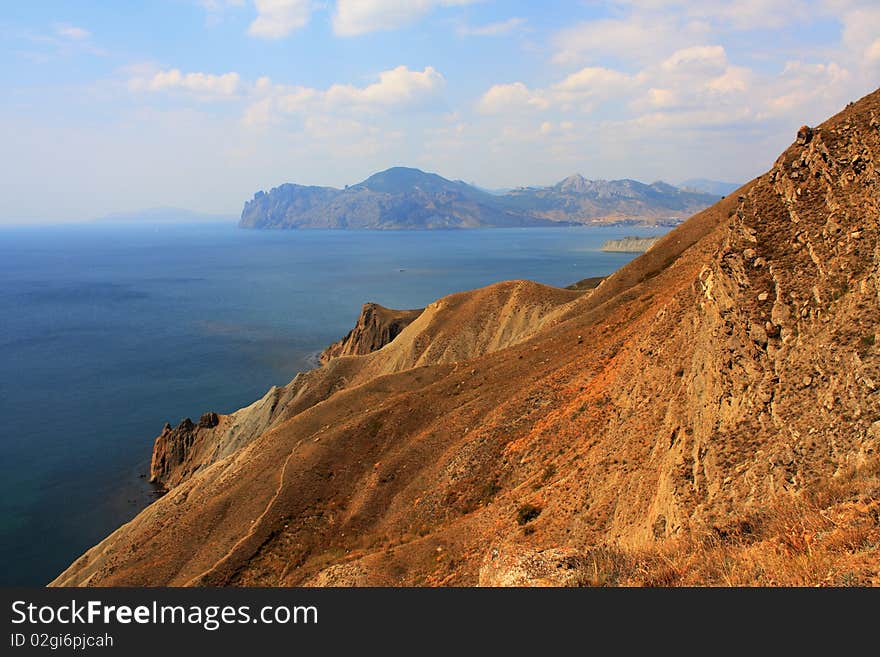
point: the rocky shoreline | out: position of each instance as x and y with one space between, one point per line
630 244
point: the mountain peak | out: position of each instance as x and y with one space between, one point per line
573 183
402 179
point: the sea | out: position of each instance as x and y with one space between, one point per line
107 331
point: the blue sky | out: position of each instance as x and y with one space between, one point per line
110 107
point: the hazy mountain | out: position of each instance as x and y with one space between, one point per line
607 201
396 198
706 186
403 197
165 215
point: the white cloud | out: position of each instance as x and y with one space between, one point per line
72 32
278 18
733 79
513 97
688 85
740 15
643 30
354 17
582 89
204 85
695 119
278 101
396 90
634 38
493 29
662 98
594 81
861 31
696 60
63 41
696 79
817 89
398 87
259 113
215 10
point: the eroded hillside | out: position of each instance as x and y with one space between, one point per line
715 399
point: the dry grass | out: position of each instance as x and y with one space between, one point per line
828 536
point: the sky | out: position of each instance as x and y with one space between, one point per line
113 107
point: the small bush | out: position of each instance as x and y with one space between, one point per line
526 513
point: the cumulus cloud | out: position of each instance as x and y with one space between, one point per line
395 90
690 85
204 85
589 85
399 87
733 79
354 17
662 98
803 87
513 97
278 18
594 81
696 60
861 31
635 38
694 79
651 28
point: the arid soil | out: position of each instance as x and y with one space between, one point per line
709 414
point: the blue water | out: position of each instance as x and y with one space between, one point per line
106 332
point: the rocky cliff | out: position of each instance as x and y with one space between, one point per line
630 244
376 326
174 448
709 414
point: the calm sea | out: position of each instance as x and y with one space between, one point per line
107 331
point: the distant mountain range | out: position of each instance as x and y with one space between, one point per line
706 186
406 198
165 215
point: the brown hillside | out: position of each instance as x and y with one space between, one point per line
708 414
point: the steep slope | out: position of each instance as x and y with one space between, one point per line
525 435
402 197
457 327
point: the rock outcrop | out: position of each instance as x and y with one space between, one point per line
707 414
376 326
173 448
